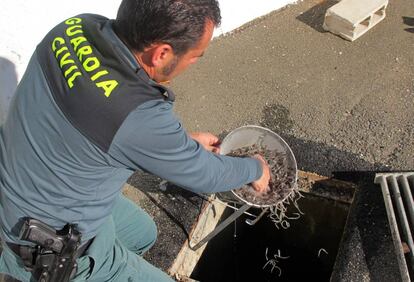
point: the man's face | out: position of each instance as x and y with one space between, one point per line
178 64
168 69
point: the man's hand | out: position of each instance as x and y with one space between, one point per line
209 141
261 185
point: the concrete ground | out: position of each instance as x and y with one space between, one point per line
345 108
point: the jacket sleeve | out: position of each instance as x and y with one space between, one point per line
153 139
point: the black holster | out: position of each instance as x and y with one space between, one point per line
53 258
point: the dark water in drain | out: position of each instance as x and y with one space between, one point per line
239 255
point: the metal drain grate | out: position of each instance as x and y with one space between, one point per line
397 189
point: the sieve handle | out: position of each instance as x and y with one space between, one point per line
221 226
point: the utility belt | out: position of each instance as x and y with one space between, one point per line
53 258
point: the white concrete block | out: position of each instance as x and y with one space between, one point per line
352 18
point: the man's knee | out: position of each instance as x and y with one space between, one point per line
135 228
147 238
152 234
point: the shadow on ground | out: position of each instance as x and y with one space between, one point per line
410 22
314 17
313 156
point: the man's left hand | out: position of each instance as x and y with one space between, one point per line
209 141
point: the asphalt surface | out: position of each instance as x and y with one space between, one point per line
341 105
345 108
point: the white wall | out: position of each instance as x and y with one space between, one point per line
235 13
23 24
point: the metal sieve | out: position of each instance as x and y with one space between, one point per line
249 135
246 136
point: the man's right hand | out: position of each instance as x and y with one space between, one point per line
261 185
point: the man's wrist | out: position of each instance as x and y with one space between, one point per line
259 169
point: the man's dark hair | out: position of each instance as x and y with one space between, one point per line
179 23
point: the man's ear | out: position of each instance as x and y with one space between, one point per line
161 55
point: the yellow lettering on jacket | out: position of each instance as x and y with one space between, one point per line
57 40
84 51
77 41
74 29
85 58
73 21
66 61
73 77
99 74
108 86
91 64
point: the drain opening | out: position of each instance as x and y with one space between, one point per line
255 253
